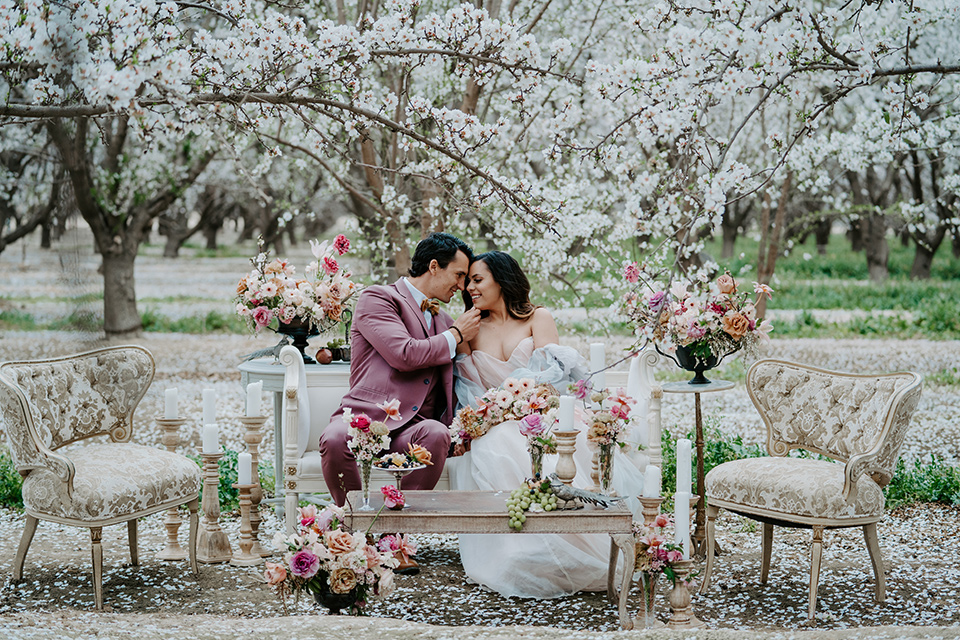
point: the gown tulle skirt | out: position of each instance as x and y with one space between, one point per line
529 565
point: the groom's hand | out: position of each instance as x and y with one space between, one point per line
468 324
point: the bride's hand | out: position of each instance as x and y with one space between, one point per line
460 449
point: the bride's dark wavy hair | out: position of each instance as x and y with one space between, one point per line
514 286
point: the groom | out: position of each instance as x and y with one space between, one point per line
403 347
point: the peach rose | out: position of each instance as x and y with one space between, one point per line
726 284
339 542
736 325
343 580
275 574
422 455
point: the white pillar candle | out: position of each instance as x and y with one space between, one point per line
254 391
565 419
244 470
598 360
170 404
684 479
209 406
651 482
633 378
681 508
211 438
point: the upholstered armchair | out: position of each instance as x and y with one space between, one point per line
859 421
51 409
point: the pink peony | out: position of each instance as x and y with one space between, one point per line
330 265
341 244
532 425
304 564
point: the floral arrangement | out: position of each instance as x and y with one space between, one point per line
273 290
606 424
655 554
393 499
415 456
325 557
369 437
710 318
514 399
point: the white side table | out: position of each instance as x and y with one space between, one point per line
699 532
335 374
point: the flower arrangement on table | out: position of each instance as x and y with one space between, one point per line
707 318
533 406
339 567
367 438
273 290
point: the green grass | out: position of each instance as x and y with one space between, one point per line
11 482
17 320
934 481
211 322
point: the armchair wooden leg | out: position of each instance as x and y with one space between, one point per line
132 540
29 528
96 533
766 548
816 552
876 558
712 512
194 506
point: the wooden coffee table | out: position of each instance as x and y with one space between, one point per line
486 512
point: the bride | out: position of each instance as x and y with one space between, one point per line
519 340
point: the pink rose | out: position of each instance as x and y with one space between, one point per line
304 564
532 425
736 325
726 284
341 244
274 573
262 317
662 520
330 265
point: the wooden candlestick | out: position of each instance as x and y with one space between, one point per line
681 616
170 438
252 437
566 465
212 543
245 556
651 509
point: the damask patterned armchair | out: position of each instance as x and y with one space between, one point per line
47 405
857 420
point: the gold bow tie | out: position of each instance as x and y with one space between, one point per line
431 305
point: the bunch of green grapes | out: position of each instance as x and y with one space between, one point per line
531 496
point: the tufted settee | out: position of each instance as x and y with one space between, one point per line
51 409
859 421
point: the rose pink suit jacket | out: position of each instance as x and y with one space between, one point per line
393 355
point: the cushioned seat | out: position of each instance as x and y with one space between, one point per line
794 488
51 409
142 480
858 420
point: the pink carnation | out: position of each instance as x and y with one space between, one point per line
341 244
392 498
330 265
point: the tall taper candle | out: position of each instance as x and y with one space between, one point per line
170 404
209 406
565 419
683 465
633 378
598 360
244 471
681 508
254 391
651 482
211 438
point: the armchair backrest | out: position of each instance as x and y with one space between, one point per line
839 415
46 404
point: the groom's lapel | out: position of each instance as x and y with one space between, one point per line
407 298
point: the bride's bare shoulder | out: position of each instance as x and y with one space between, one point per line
544 329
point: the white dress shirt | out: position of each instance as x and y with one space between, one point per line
419 297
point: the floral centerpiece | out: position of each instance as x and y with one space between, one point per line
413 458
607 423
534 406
315 302
367 438
655 555
339 567
703 321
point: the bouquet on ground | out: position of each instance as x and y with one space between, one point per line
514 399
274 291
324 557
655 554
709 318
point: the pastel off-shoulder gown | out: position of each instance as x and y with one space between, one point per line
529 565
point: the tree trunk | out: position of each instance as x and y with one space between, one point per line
120 315
926 249
210 233
875 245
46 228
822 234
